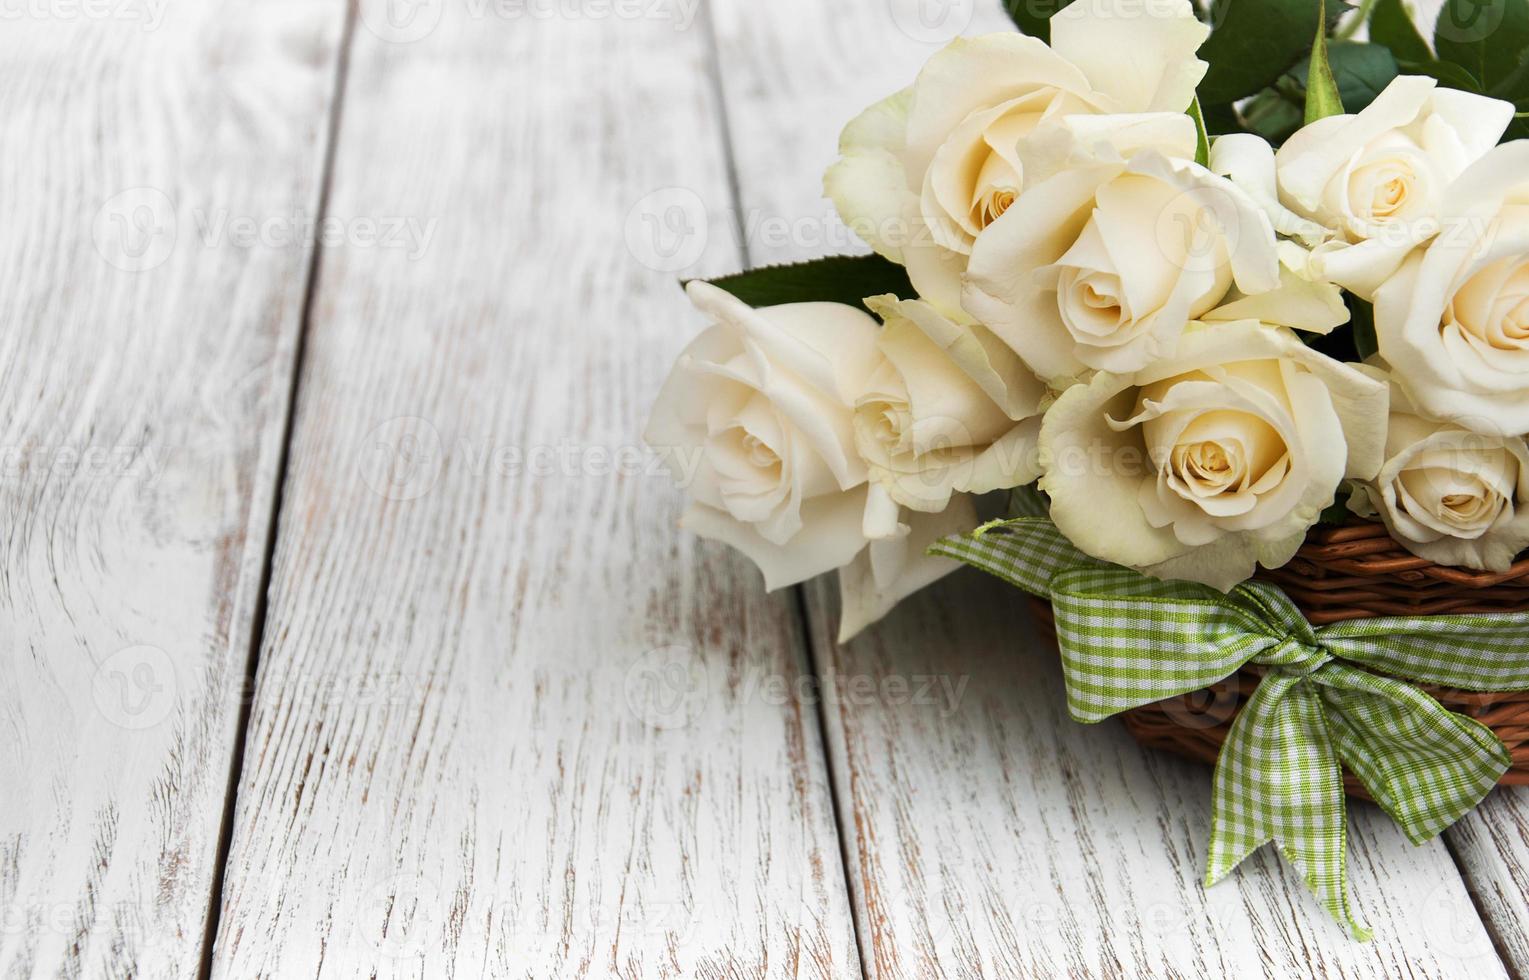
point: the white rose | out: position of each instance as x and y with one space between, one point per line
756 421
950 409
1103 265
1366 189
1220 459
1453 323
926 170
1450 495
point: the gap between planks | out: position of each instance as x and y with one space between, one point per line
807 653
257 631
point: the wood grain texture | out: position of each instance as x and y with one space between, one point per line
991 835
146 356
1491 845
509 721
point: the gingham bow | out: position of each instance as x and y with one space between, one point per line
1128 640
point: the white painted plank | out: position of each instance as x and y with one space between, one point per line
992 835
1492 847
509 721
146 354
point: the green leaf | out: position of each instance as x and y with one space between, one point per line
1336 513
1449 75
1034 16
1490 41
1254 42
1392 25
838 279
1272 115
1322 98
1202 137
1488 38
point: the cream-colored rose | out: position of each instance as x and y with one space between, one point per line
1374 184
1206 465
1102 266
1453 323
757 423
1450 495
927 170
949 409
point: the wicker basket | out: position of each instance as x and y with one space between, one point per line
1354 571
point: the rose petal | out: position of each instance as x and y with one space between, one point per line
1140 55
971 74
869 185
889 571
1248 161
831 538
1300 303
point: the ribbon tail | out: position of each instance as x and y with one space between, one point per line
1278 779
1425 765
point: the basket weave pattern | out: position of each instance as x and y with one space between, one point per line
1354 571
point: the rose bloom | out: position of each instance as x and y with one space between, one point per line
1366 189
949 409
1104 264
1203 466
756 422
924 172
1450 495
1453 323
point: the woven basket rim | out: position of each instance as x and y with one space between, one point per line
1356 570
1349 571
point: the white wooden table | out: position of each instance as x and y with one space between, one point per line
347 631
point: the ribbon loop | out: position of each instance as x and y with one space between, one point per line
1425 765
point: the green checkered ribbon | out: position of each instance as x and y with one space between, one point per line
1331 696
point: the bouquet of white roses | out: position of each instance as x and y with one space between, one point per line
1196 343
1205 282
